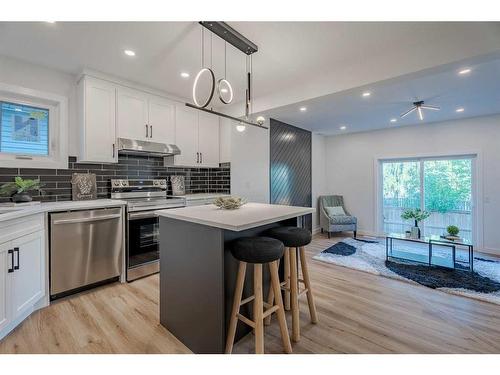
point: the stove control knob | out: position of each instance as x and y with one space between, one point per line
124 183
116 183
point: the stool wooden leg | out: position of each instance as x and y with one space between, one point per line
294 295
270 300
275 283
307 283
240 281
286 268
258 309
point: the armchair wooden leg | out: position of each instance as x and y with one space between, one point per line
329 234
354 234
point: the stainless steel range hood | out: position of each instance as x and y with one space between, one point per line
138 147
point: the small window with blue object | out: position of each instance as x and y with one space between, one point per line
24 129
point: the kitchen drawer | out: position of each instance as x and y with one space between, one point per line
10 229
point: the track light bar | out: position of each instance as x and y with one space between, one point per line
226 116
231 36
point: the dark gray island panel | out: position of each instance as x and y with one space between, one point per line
192 284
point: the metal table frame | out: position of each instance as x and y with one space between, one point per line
430 242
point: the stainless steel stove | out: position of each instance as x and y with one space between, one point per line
143 198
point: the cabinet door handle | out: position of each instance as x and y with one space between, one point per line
113 150
201 157
11 253
197 157
147 135
16 250
150 131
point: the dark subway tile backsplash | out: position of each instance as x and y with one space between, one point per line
57 182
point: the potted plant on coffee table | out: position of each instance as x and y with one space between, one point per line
19 189
417 215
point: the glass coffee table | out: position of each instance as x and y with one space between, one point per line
426 254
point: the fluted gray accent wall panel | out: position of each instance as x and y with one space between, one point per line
290 166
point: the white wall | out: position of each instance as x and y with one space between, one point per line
319 181
351 164
20 73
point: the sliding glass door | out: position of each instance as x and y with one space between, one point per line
442 186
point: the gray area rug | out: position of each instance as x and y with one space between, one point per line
369 256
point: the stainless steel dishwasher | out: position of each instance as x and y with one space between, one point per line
86 248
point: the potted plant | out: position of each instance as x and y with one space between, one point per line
418 215
453 231
18 191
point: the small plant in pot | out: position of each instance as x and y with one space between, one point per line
453 231
417 215
18 191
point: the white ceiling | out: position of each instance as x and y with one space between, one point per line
477 92
317 64
308 58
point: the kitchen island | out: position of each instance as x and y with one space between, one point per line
198 272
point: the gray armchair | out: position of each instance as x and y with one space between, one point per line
335 223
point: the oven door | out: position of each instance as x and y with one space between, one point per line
143 244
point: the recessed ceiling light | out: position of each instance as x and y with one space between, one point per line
303 109
343 127
366 94
185 75
129 52
464 71
461 109
394 120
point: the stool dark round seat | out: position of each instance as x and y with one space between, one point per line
291 236
257 249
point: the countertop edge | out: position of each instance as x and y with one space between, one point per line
60 206
235 228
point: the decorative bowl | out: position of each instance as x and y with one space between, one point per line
229 203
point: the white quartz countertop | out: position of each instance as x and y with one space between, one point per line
13 212
248 216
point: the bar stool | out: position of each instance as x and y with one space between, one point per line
257 251
294 239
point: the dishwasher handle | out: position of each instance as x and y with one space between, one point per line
87 220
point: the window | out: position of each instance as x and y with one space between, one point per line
33 128
442 186
24 129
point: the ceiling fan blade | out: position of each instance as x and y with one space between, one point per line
420 114
431 107
408 112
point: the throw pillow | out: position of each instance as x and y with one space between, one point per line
333 211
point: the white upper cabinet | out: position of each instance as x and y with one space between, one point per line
197 136
186 136
161 120
208 139
144 117
97 121
132 114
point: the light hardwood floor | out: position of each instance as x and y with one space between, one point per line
357 312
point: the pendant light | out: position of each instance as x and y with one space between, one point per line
204 71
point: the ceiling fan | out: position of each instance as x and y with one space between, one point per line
419 106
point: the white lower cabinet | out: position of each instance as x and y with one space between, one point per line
28 278
4 286
22 278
